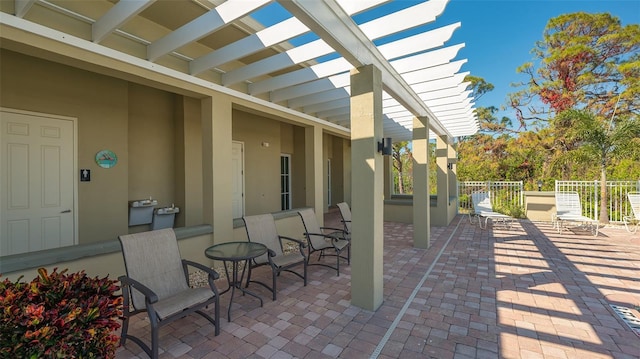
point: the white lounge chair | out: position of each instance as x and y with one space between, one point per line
569 209
482 208
632 222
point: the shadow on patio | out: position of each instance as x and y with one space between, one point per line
524 292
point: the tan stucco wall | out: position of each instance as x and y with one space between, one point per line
112 264
152 170
152 122
188 157
298 179
539 206
261 163
99 104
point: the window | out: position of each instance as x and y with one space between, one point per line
285 182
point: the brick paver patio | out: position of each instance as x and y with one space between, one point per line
523 292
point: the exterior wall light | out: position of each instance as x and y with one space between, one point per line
385 146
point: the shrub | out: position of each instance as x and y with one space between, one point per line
59 315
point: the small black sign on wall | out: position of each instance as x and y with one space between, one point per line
85 175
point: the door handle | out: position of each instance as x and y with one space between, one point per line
66 211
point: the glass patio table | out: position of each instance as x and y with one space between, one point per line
236 252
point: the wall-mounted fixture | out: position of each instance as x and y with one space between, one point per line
385 146
141 211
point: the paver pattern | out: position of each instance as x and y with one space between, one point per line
524 292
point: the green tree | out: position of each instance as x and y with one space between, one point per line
600 142
585 82
497 151
402 160
584 61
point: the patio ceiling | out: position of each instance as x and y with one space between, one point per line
294 54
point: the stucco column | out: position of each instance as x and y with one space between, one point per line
452 175
188 161
216 162
314 167
367 188
442 207
346 168
421 205
387 162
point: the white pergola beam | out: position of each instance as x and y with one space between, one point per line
337 111
321 97
273 35
21 7
434 73
426 59
374 29
399 48
441 83
434 105
202 26
120 13
278 33
308 88
342 102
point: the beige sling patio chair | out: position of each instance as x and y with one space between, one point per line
632 222
319 240
157 282
262 229
569 209
345 214
482 208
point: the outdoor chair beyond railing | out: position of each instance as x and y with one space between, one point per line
321 241
632 222
482 208
157 282
262 229
345 213
569 209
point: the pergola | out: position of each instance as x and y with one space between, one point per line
300 57
301 62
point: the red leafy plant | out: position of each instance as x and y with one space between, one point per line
59 315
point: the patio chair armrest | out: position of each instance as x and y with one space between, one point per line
149 294
317 234
300 243
332 229
333 236
212 274
202 267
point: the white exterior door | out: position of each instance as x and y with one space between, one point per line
237 168
37 182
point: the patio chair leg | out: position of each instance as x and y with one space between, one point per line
273 283
248 275
305 272
154 341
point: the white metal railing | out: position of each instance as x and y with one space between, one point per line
506 196
617 202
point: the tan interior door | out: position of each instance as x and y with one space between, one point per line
237 164
37 182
